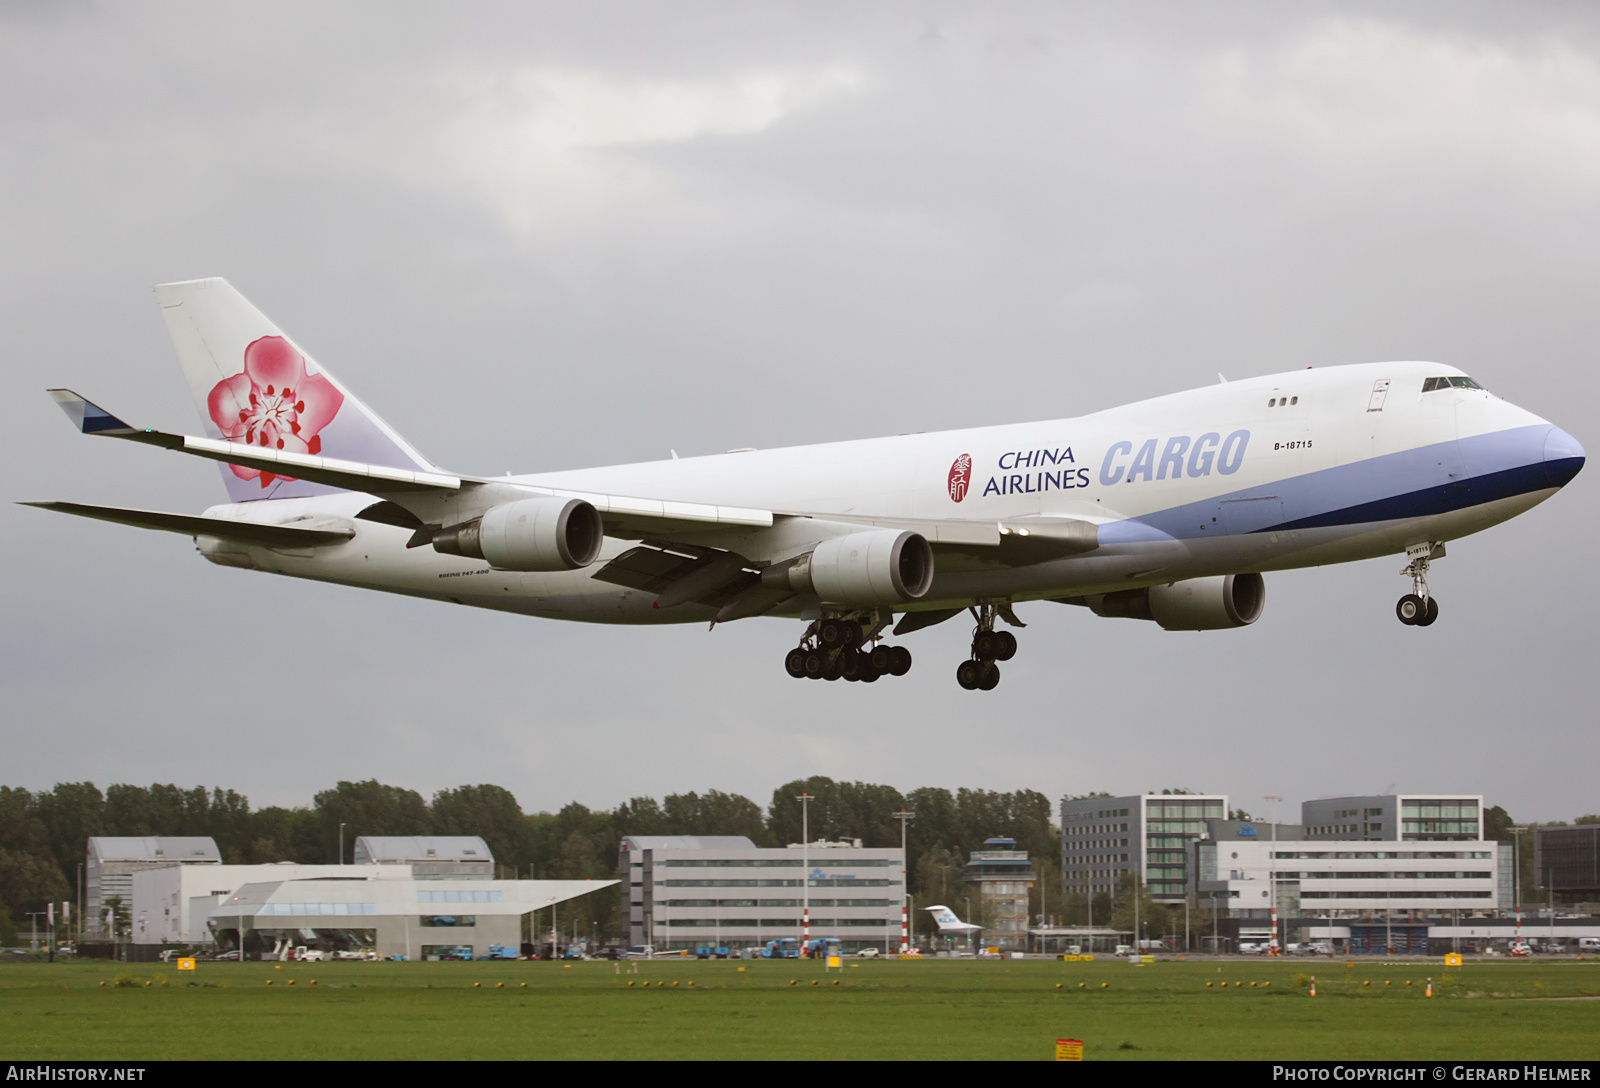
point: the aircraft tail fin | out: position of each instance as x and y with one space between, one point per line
946 918
253 385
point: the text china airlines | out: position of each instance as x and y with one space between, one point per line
1056 468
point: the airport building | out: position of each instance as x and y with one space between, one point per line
174 904
1332 878
430 857
1104 837
111 862
685 892
389 913
1002 875
416 897
1415 817
1567 861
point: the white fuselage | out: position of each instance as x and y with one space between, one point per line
1222 479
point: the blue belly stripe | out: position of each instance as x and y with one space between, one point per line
1428 480
1442 499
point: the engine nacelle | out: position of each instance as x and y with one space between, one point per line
1196 604
878 567
539 534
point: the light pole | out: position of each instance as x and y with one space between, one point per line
341 843
1516 877
905 816
805 873
1272 871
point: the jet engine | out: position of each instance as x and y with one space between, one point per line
878 567
1196 604
540 534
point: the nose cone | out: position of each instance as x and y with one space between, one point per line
1563 457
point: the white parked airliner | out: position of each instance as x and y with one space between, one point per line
1166 510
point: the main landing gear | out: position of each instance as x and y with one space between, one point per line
842 648
980 673
1419 608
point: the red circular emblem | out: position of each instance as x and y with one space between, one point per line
960 477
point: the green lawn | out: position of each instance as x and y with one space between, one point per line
929 1009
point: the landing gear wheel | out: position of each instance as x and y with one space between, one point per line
902 661
1433 613
1410 609
985 645
852 633
832 671
1005 646
831 633
795 662
850 664
989 678
883 658
968 674
869 671
816 664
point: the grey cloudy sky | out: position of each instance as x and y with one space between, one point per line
557 235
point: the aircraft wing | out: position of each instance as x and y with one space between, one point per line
417 492
424 501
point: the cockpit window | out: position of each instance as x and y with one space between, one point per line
1429 385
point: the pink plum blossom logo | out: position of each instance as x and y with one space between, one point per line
274 404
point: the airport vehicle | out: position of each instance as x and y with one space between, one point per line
820 948
867 953
711 952
784 948
1167 510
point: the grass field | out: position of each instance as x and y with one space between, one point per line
932 1009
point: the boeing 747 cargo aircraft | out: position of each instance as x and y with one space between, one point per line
1168 510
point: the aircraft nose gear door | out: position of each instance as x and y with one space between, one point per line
1419 608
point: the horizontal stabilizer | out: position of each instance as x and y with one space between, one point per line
88 418
349 475
243 532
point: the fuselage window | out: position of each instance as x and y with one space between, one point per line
1294 400
1273 403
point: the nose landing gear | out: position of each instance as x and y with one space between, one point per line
1419 608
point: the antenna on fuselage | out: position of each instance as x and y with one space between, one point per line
1220 379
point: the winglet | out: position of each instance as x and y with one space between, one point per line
87 416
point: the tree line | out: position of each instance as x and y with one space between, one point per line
43 835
